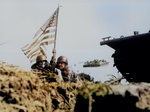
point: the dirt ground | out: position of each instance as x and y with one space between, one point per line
22 91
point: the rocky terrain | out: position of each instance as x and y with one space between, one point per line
22 91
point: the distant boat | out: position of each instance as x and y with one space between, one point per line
95 63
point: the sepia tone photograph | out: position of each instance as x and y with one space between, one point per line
72 56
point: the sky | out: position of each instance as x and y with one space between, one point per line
81 26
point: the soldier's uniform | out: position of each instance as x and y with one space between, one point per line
67 74
44 68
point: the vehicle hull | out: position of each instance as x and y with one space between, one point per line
132 56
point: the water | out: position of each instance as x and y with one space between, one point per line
98 73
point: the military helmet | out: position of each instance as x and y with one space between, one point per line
62 59
40 58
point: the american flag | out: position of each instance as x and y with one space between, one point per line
44 36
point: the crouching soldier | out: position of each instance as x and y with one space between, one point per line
67 74
42 68
41 65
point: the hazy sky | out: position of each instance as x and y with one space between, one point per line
81 26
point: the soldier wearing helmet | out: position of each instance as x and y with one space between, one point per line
41 64
67 73
43 67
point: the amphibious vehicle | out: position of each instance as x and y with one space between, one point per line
131 56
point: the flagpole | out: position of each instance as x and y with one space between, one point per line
54 49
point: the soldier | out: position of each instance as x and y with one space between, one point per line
41 65
66 72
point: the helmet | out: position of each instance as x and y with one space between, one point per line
62 59
40 58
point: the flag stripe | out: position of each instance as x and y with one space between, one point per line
40 42
44 36
38 52
34 54
48 31
50 22
37 42
43 51
37 47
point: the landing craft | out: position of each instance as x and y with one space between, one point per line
95 63
131 56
